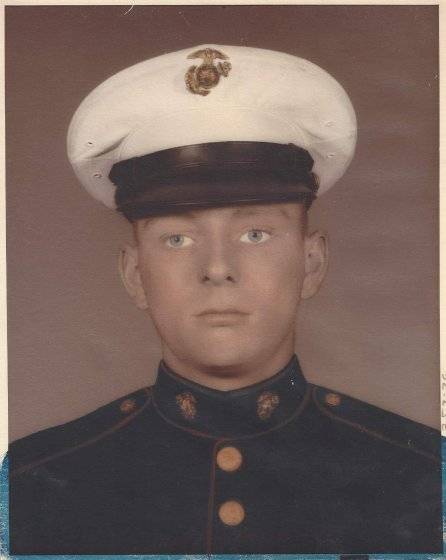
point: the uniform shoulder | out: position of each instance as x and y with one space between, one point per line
378 423
58 440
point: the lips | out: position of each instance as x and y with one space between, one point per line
222 317
226 311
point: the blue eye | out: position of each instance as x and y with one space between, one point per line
255 236
178 240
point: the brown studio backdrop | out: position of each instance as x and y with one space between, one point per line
75 339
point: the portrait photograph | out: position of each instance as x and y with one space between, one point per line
222 240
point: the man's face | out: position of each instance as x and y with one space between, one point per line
223 285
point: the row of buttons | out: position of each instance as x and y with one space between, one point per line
229 459
232 513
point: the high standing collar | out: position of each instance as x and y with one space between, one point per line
242 412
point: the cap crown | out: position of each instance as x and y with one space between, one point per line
237 94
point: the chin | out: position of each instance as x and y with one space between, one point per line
227 357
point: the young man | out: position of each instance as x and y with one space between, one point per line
215 154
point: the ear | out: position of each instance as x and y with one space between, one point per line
131 277
316 263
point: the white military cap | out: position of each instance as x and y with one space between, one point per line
209 125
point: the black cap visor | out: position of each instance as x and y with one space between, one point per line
211 175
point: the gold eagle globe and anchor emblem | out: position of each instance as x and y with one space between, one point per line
201 79
187 403
266 404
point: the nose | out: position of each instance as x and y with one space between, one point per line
219 265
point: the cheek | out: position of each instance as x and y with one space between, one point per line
161 269
278 276
166 285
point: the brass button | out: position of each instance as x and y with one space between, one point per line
229 459
127 406
332 399
231 513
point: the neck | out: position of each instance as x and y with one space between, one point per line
232 376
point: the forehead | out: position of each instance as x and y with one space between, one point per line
289 211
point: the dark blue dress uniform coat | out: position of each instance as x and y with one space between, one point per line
278 467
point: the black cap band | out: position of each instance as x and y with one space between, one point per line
213 174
